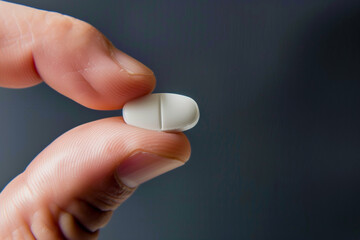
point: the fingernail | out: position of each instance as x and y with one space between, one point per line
142 167
129 64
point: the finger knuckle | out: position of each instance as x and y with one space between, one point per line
56 23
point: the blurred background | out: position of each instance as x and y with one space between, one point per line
276 153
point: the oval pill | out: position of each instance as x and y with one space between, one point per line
162 112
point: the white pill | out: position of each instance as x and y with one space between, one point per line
162 112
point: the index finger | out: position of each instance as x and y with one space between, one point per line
70 55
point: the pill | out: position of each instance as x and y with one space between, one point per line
162 112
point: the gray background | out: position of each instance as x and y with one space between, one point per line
276 154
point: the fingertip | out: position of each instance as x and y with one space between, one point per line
71 56
117 79
166 144
88 68
117 89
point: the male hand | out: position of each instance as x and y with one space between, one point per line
70 190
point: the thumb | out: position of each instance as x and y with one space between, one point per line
71 188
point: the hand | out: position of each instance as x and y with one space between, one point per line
71 188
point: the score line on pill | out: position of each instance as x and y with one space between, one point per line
162 112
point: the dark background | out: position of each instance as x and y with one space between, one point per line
276 153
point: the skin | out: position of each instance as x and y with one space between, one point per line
71 192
